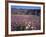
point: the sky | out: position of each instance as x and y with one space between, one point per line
25 7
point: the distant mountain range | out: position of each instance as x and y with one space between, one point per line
25 11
